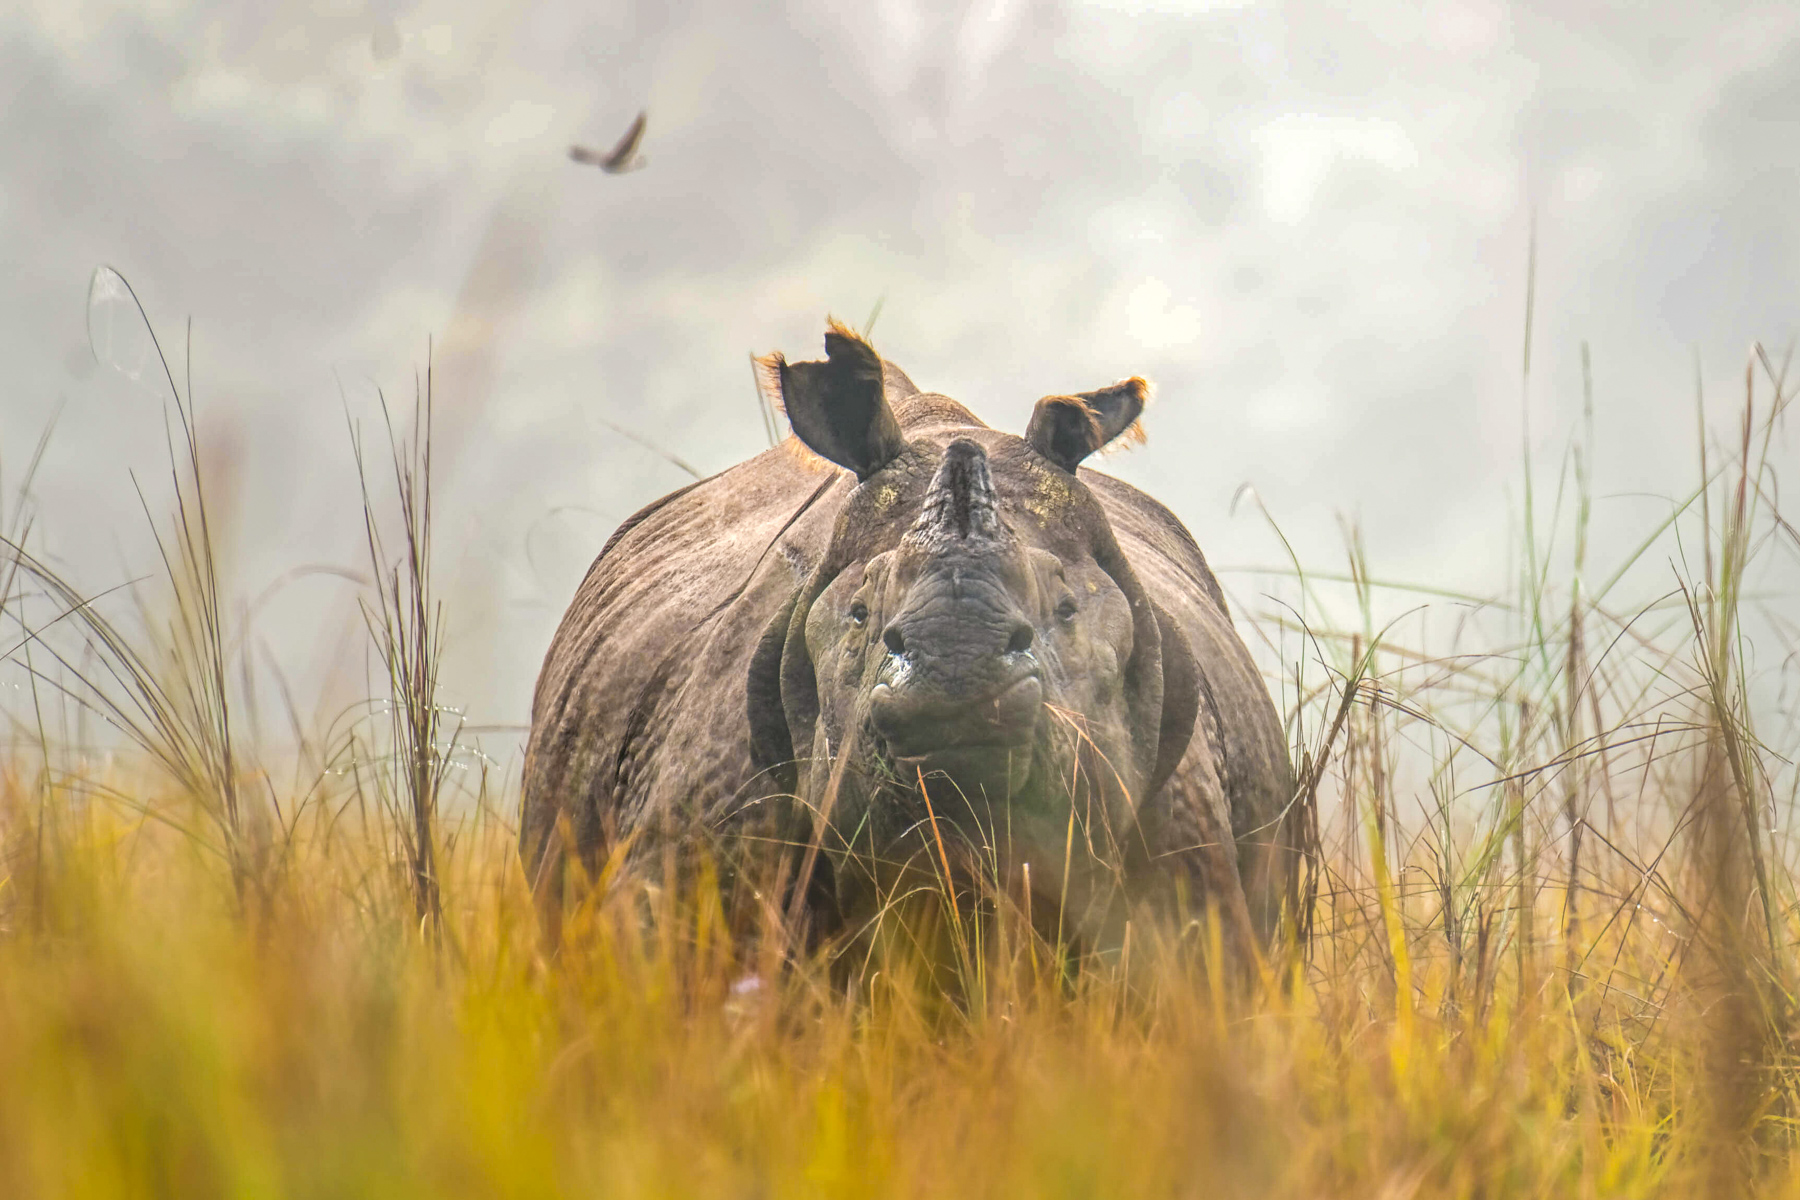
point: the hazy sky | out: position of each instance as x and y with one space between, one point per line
1309 230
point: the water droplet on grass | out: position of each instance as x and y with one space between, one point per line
118 334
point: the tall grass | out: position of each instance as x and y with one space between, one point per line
165 686
405 623
1544 942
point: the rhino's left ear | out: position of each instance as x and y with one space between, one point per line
839 407
1066 429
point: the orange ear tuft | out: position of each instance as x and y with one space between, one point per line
1132 435
833 325
766 370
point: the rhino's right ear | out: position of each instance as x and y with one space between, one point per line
839 407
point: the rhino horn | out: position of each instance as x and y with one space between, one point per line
960 505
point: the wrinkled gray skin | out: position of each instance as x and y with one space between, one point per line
923 631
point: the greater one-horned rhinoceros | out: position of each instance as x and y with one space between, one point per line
902 635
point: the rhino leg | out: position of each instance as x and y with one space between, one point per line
1188 832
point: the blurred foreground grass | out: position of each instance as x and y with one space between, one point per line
156 1038
1547 945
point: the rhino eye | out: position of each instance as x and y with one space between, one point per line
859 614
1065 609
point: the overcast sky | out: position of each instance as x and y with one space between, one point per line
1310 231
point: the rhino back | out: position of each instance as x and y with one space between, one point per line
639 713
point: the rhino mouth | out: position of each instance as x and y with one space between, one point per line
929 733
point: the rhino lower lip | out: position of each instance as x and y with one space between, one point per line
951 757
1002 721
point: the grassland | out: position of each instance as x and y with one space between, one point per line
1548 945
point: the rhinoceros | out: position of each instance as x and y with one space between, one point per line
902 635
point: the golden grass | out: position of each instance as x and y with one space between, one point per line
155 1038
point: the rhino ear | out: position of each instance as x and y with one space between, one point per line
839 407
1066 429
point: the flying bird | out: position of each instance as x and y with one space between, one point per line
621 158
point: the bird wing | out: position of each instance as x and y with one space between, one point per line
622 153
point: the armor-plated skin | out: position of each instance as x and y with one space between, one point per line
782 654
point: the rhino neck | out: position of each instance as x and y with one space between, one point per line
896 383
926 410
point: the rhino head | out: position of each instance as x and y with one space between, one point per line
972 670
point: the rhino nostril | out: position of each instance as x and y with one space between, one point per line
1020 641
895 643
